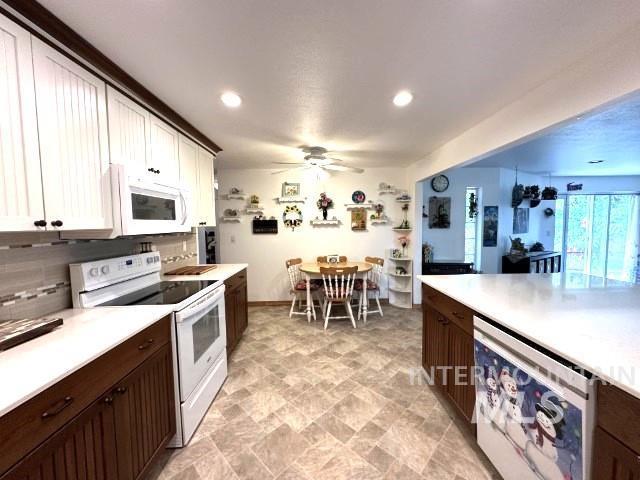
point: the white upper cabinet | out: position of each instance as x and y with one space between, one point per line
188 153
21 205
164 150
72 123
129 132
206 202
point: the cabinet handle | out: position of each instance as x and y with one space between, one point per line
150 170
445 321
459 316
56 223
120 390
146 344
108 400
157 171
62 404
40 223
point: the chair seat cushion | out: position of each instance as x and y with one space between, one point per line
302 285
370 285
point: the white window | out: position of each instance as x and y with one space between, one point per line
472 227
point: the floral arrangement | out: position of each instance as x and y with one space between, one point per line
324 202
404 241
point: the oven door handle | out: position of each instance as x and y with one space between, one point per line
183 202
193 311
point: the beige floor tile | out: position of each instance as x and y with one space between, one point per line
380 459
280 448
248 467
289 414
399 471
336 427
261 404
213 466
354 411
317 456
409 445
237 434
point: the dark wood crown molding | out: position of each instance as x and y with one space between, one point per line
52 25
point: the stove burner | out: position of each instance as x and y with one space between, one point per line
163 293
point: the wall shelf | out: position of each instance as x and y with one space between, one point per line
236 196
379 221
399 200
400 285
391 191
316 222
401 229
257 209
366 206
230 219
291 199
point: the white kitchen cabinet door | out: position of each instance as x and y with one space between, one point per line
188 153
21 204
164 150
206 202
129 132
72 123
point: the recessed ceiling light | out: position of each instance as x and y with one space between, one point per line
402 98
231 99
596 161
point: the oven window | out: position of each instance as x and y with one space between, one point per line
205 332
146 207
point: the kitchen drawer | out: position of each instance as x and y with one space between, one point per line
619 414
236 280
612 460
31 423
453 310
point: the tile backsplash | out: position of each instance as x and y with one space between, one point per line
34 267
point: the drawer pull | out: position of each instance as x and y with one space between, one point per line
108 400
459 316
120 390
64 403
146 344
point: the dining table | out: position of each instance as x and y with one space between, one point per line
312 271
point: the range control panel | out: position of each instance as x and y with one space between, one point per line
98 273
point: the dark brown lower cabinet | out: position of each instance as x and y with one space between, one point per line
612 459
236 308
116 436
447 350
84 449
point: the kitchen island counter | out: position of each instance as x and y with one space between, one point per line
591 322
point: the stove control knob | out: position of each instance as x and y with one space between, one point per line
105 269
149 260
94 272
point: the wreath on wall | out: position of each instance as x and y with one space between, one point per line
292 217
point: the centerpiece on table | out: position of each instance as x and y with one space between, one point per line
324 203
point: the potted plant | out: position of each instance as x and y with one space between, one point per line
324 203
549 193
404 241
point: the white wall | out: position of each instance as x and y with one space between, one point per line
496 185
266 254
605 184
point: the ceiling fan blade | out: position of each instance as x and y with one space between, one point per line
335 159
343 168
288 163
302 167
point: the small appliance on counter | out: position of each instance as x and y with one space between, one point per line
207 245
534 411
200 338
15 332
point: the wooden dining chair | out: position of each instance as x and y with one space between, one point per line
373 286
323 259
338 288
298 290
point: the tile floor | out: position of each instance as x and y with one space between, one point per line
304 404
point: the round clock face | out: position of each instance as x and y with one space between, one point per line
440 183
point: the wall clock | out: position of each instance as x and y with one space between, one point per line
440 183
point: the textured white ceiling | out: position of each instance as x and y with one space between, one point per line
611 134
325 71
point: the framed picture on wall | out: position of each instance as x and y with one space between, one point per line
490 226
290 189
439 212
358 219
520 220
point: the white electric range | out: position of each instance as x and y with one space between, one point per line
199 331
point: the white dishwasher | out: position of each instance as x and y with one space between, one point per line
535 413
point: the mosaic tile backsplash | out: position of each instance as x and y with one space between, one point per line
34 267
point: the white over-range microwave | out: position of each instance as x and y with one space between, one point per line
144 205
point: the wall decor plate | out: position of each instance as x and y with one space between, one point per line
358 196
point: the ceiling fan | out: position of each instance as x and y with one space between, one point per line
317 157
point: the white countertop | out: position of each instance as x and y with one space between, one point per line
221 272
594 324
86 334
